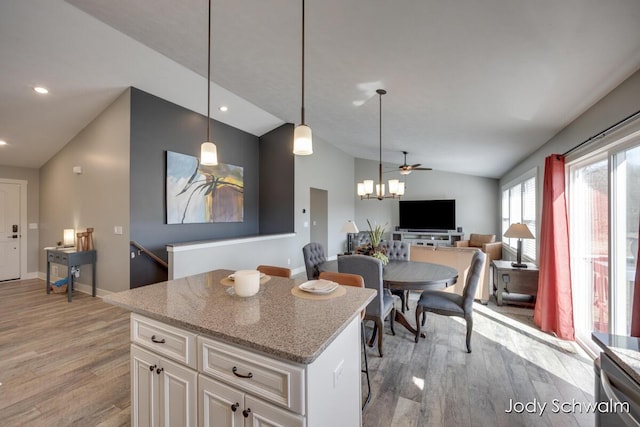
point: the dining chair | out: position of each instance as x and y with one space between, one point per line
356 280
450 304
397 250
382 306
313 254
272 270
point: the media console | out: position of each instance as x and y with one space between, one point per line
428 238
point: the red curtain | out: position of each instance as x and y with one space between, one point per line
554 303
635 311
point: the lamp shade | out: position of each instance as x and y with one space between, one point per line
302 141
68 237
519 231
349 227
208 154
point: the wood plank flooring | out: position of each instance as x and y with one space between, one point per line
67 364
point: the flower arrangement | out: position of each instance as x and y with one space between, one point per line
373 248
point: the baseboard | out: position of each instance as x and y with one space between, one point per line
79 286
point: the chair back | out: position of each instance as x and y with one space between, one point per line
313 254
370 269
272 270
473 278
344 279
477 240
396 250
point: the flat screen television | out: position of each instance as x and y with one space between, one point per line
427 215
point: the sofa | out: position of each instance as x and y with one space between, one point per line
458 258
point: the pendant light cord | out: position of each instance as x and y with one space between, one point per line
380 153
209 77
302 108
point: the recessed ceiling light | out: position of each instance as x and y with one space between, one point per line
41 90
3 142
224 108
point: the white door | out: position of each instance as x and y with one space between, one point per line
144 399
9 231
220 405
177 391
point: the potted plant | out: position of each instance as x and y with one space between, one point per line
375 236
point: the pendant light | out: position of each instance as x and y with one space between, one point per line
208 150
302 140
365 188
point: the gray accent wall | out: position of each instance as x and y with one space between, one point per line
277 180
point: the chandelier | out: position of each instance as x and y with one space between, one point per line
365 188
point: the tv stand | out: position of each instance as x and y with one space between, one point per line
428 237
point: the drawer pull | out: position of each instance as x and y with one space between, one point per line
235 372
234 407
157 341
151 368
246 412
159 370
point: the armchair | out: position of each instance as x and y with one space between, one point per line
486 242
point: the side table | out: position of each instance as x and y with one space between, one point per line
71 258
511 280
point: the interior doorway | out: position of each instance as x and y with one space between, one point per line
318 216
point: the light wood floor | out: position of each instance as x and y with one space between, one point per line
68 364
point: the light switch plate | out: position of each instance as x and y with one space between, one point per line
117 229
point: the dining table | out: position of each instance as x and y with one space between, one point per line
409 276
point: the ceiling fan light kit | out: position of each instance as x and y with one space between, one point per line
365 188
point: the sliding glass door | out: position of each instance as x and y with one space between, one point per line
604 205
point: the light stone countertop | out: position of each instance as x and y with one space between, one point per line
624 350
273 321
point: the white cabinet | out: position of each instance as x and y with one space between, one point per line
428 238
223 406
163 393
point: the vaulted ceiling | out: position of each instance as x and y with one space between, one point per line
473 86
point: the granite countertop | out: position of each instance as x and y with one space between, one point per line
274 321
625 351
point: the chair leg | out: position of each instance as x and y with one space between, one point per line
424 318
392 317
406 299
373 334
366 368
418 312
379 326
469 320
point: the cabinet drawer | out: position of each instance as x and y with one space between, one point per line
175 343
277 382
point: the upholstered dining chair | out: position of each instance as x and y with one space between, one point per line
313 254
382 306
450 304
397 250
272 270
357 281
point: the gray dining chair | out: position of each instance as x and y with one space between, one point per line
382 306
397 250
450 304
313 254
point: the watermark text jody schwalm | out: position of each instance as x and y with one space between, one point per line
572 406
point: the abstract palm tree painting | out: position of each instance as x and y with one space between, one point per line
202 194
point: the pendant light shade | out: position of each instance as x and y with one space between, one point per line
302 140
208 150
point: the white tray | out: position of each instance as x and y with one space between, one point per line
319 286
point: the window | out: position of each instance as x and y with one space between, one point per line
519 205
604 213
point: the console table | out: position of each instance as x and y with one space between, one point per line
428 238
71 258
511 280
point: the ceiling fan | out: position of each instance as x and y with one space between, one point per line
406 169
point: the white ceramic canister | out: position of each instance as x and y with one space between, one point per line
246 282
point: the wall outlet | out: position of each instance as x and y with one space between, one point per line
54 270
337 373
288 261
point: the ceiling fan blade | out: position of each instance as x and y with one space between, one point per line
417 165
422 169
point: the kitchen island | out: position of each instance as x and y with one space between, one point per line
200 354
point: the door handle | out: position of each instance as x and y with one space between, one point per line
14 236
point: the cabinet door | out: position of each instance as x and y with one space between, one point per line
177 391
144 407
262 414
219 405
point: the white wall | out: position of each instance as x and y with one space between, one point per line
97 198
477 198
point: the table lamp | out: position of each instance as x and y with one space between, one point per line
68 237
519 231
350 228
